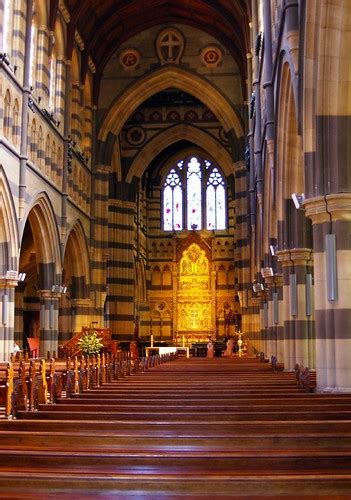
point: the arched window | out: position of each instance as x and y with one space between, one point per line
172 202
194 196
215 201
7 115
33 141
40 148
15 124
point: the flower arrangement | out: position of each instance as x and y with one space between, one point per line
90 343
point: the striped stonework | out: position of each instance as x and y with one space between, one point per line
80 310
88 127
60 91
121 269
76 115
100 240
42 65
7 317
275 343
49 314
18 335
242 250
297 265
253 332
331 219
18 40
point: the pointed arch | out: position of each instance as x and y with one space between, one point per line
289 160
160 80
42 219
76 248
174 134
9 237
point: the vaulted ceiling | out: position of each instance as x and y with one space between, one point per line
105 24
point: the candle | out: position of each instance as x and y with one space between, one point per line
183 341
151 340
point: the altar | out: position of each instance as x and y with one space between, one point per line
167 350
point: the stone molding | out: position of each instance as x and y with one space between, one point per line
295 256
330 207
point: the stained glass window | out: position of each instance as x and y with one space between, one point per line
172 203
194 194
202 185
215 201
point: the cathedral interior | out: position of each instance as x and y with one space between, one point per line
166 172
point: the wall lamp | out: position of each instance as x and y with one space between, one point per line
257 287
266 272
14 275
58 289
298 199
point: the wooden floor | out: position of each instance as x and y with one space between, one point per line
193 427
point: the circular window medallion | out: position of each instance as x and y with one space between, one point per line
211 56
129 59
135 136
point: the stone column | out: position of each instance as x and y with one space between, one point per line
99 238
42 64
253 331
121 279
298 318
18 326
49 315
275 325
7 317
80 314
331 222
76 115
174 293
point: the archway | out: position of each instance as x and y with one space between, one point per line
9 244
40 259
75 304
171 136
162 79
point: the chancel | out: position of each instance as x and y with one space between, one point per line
175 272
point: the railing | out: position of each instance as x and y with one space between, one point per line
71 347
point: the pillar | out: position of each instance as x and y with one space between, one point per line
7 317
298 312
121 271
49 316
331 222
80 310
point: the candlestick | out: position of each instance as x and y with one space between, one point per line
151 340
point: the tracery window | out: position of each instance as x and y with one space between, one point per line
194 196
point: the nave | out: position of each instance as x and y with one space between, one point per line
190 427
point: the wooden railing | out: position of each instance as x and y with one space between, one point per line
71 347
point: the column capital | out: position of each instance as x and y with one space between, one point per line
239 165
7 283
122 203
103 169
49 295
81 303
294 256
276 280
330 207
256 301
